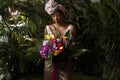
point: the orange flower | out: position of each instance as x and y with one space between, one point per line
56 52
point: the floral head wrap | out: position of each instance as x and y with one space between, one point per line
51 6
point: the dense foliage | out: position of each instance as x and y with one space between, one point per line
97 29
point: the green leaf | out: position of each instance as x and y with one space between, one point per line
79 52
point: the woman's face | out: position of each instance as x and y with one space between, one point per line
57 16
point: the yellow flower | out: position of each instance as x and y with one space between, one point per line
64 37
49 36
52 36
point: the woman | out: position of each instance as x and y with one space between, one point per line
60 68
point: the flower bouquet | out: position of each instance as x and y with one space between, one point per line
53 46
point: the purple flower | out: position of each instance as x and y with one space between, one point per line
45 49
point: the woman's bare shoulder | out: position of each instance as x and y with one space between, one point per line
71 27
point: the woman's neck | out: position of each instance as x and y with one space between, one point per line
60 24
